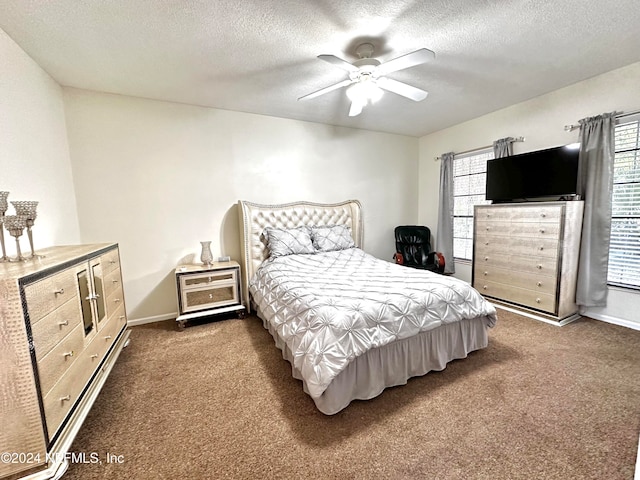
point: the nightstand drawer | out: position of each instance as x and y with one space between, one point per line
215 295
198 280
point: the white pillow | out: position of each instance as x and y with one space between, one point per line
288 241
331 238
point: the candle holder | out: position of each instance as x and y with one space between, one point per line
3 209
16 225
27 208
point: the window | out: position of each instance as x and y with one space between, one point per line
624 251
469 185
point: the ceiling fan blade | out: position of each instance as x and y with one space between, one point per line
405 61
356 109
328 89
338 62
402 89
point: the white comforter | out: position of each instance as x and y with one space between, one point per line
331 307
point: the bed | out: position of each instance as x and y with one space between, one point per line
350 324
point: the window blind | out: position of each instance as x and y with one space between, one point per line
469 187
624 250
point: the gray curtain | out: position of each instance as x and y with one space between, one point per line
444 236
595 186
503 147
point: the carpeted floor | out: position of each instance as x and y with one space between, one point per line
218 401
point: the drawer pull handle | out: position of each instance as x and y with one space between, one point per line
539 284
114 281
488 228
65 399
484 287
116 300
542 230
68 354
486 273
539 267
211 296
209 279
121 317
95 355
543 215
59 292
486 258
107 337
112 262
541 248
538 300
64 324
486 243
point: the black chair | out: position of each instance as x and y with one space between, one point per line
413 249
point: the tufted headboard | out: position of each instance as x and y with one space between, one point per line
254 218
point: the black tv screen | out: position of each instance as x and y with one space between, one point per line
544 173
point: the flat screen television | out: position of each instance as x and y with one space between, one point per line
550 173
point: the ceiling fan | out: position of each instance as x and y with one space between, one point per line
367 77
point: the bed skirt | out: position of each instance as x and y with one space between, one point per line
393 364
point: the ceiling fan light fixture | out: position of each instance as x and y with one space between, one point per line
364 91
367 77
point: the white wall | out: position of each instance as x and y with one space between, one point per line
541 120
34 156
159 177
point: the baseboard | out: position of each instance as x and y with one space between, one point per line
614 320
155 318
541 318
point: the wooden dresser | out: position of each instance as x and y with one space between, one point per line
526 255
62 327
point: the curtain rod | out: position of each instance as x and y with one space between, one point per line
517 139
572 127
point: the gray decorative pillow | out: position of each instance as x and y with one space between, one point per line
288 241
330 238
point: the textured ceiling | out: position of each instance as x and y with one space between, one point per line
260 56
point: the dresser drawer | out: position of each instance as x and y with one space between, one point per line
60 358
525 229
114 301
47 294
112 281
110 261
53 327
64 394
106 336
525 297
530 281
538 213
540 265
66 391
539 247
